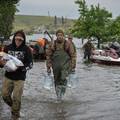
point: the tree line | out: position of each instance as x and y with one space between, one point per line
93 22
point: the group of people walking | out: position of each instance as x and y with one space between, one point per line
60 59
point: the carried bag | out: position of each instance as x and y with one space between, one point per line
10 66
12 62
48 81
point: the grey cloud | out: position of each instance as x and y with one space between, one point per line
66 8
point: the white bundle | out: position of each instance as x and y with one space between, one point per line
10 66
12 62
16 61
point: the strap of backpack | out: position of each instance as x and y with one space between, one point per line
66 46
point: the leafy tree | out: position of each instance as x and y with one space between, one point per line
100 20
7 12
92 21
79 29
114 29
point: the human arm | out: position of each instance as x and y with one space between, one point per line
28 60
73 56
48 57
3 61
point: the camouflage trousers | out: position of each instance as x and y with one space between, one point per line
12 91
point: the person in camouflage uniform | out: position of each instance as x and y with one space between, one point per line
70 39
88 47
60 56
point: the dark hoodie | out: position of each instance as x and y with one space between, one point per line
24 54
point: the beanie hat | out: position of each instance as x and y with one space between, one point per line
59 31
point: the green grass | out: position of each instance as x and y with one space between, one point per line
32 20
29 22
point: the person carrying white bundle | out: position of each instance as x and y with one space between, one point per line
13 83
12 63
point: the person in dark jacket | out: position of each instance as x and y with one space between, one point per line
13 83
88 48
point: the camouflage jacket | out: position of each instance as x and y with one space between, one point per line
75 53
57 46
88 47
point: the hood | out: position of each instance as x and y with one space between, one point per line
21 33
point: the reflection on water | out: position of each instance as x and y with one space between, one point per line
96 96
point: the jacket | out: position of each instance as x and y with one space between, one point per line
24 54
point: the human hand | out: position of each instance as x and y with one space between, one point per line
49 70
2 62
73 70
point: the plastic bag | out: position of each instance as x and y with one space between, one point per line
12 62
48 81
72 80
10 66
14 59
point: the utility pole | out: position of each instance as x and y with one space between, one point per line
48 13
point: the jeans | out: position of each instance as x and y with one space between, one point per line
12 91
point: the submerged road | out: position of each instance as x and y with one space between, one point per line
96 95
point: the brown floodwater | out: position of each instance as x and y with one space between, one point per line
96 95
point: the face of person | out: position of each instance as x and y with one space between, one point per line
70 39
18 40
60 37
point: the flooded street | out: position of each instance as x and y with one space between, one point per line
95 97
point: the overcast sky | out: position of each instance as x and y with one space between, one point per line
65 8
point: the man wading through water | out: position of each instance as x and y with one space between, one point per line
60 56
88 47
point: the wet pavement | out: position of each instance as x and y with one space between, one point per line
95 97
